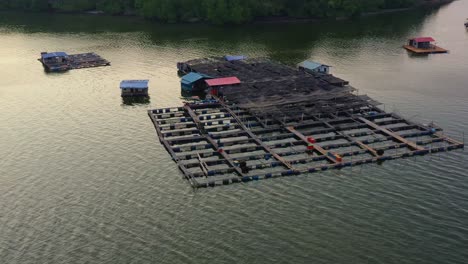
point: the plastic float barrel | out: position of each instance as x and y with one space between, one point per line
246 179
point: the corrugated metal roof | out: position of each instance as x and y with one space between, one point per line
424 39
311 65
136 84
192 78
223 81
54 54
234 58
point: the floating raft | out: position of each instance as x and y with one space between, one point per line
283 122
433 50
60 61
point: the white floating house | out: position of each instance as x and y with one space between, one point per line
134 87
310 66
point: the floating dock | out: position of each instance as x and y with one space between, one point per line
61 61
433 50
280 122
423 45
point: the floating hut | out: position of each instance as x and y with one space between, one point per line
61 61
216 86
311 66
281 121
55 61
193 82
423 45
322 72
134 88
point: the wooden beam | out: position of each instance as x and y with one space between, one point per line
253 136
390 133
316 147
359 143
228 159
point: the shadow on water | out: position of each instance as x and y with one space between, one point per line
287 42
137 100
186 95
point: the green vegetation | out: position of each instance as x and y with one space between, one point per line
214 11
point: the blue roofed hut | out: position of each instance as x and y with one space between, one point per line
134 87
55 61
193 82
234 58
311 66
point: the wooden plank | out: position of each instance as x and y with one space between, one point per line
359 143
203 165
257 140
316 147
450 140
390 133
228 159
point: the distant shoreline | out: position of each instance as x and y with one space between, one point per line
258 20
423 4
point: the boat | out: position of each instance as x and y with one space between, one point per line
466 23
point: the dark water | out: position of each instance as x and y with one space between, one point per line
84 180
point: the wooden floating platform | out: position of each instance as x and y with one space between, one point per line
435 49
284 126
65 62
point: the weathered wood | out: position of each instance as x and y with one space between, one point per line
388 132
259 142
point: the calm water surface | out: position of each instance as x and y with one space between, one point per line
83 178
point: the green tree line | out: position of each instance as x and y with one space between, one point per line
213 11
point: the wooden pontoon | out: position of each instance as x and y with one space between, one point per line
61 61
423 45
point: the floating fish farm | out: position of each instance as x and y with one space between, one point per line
282 121
61 61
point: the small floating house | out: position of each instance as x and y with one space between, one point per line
134 88
323 71
55 61
310 66
193 82
216 85
423 45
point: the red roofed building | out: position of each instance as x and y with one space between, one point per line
216 85
421 42
223 81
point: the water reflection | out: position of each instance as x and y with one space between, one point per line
136 100
288 43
